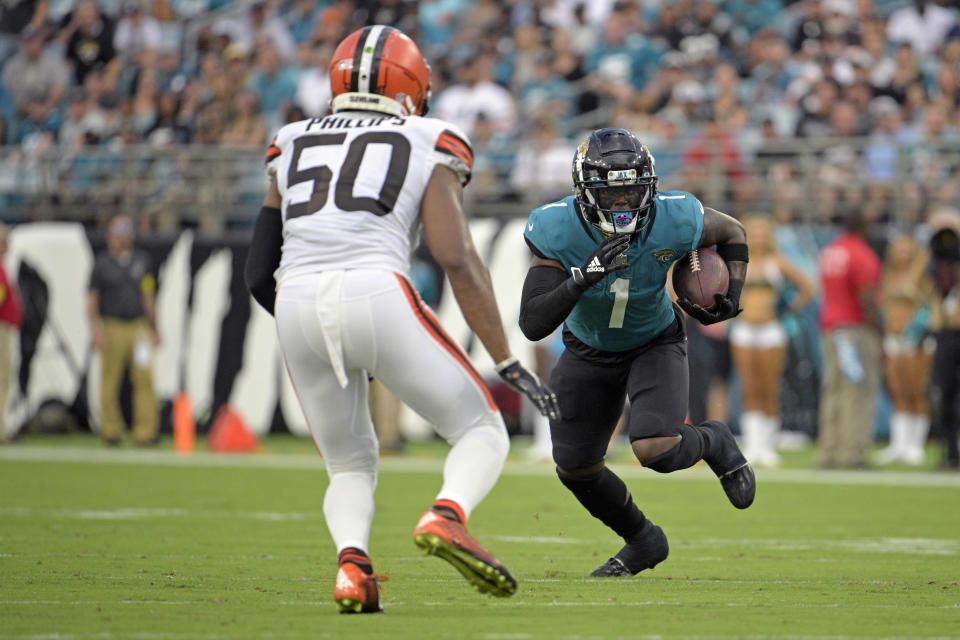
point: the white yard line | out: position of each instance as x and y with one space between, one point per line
313 635
403 464
148 635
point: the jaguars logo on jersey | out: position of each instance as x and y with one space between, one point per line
664 256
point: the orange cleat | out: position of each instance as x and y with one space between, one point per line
449 540
356 591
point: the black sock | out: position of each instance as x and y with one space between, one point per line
641 535
356 556
710 440
607 499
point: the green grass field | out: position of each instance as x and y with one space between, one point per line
148 545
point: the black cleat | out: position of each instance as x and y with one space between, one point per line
634 558
740 486
735 473
612 568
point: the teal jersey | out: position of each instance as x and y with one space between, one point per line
628 308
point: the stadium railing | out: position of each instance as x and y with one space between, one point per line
801 180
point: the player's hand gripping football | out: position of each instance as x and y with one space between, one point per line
526 382
725 309
602 262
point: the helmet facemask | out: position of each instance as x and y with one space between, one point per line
622 204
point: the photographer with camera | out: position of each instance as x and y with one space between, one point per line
945 323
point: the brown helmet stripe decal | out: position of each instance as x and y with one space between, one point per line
377 56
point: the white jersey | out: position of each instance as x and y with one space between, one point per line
351 185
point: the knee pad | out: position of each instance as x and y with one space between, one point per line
490 425
651 424
571 456
363 460
683 455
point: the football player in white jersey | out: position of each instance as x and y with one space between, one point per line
330 258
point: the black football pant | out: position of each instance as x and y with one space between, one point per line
591 387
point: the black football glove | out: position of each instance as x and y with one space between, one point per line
602 262
723 311
526 382
728 306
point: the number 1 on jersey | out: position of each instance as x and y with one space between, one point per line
621 292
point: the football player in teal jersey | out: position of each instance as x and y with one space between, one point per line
600 266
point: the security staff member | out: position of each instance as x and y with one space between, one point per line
121 310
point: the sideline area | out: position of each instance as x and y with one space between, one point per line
429 459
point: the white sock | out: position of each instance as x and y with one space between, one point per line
348 508
918 426
474 465
900 427
772 433
753 428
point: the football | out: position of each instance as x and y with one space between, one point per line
699 275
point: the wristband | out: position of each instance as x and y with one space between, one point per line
503 364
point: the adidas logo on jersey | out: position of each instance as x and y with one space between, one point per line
595 266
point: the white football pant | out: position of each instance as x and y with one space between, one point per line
337 327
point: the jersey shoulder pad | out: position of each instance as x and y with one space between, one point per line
275 149
679 202
548 227
452 149
683 214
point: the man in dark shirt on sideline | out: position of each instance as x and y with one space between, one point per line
120 307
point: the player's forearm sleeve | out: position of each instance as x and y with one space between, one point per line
548 297
264 257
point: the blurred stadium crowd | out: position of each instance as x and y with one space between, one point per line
799 109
